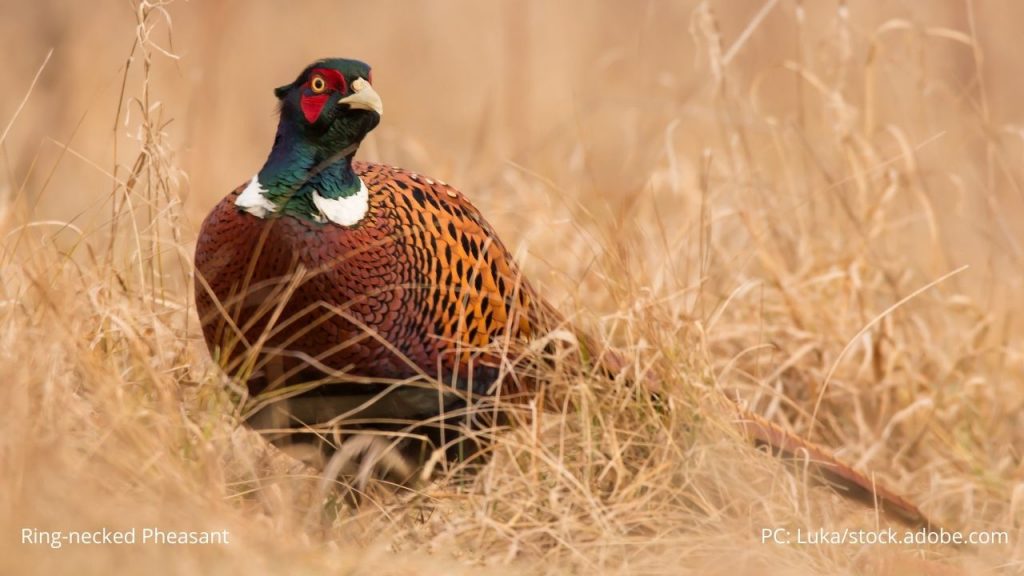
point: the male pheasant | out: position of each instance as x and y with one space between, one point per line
343 279
323 269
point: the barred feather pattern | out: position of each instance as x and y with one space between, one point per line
417 288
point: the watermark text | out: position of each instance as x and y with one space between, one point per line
919 537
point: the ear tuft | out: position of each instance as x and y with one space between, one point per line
282 91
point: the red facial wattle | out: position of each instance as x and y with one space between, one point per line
313 103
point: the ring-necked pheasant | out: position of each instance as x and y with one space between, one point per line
357 279
327 265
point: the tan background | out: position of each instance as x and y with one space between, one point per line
755 206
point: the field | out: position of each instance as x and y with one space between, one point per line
814 207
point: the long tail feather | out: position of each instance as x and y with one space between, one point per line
786 445
842 477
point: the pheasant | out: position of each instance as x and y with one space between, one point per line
364 289
330 266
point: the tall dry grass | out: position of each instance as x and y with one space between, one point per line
812 206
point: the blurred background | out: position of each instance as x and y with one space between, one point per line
775 198
597 96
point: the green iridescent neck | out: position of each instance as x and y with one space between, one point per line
296 169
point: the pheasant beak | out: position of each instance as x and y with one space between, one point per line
364 97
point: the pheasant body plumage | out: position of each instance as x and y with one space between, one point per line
415 288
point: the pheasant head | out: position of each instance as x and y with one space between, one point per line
332 102
324 116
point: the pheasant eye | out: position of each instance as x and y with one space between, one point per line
318 84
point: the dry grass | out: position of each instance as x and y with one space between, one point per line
767 200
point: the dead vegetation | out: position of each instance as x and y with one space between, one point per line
816 208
